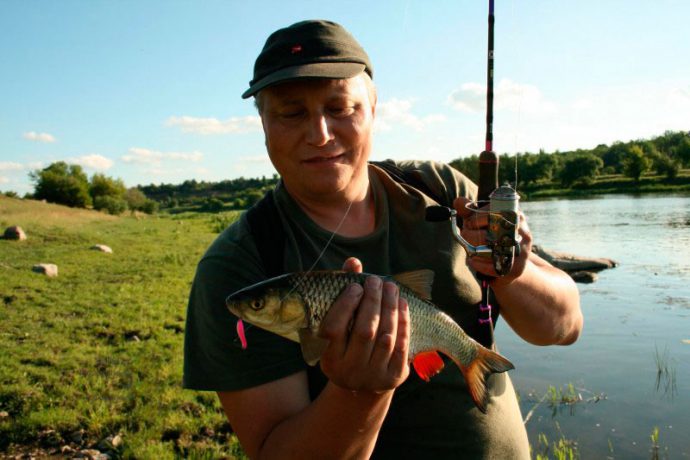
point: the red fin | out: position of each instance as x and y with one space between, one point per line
427 364
485 363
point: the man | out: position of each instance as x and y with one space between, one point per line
314 91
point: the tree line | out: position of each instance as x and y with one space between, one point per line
666 155
68 184
239 193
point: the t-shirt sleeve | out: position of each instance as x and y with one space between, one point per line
213 357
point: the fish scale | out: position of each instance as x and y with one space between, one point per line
294 305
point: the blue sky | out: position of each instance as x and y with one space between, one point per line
149 91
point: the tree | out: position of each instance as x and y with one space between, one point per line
536 167
582 168
137 201
102 185
635 163
614 155
111 204
667 166
135 198
681 152
212 204
63 184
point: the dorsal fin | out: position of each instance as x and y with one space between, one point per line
418 281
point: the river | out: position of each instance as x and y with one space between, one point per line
631 364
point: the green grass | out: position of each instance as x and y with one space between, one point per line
612 184
98 350
665 373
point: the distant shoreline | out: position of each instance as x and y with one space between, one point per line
611 185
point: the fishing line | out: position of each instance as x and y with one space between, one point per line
304 274
321 254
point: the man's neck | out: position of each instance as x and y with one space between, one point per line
350 215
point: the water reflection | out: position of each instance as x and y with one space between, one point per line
633 310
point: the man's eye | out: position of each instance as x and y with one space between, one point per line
289 115
342 111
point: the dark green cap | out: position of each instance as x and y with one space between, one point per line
308 49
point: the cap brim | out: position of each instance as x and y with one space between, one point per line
316 70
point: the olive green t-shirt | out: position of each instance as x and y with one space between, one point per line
435 419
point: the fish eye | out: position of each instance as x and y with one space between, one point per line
257 304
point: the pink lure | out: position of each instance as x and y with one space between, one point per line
240 334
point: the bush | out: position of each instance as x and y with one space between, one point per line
212 205
635 163
582 169
102 185
666 166
135 199
110 204
63 184
149 207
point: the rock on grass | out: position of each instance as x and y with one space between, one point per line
50 270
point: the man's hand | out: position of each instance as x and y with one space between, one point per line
368 331
474 229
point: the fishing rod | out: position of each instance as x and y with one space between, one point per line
503 200
502 237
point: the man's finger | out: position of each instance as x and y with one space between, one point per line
336 324
399 360
460 205
365 327
388 325
474 237
353 265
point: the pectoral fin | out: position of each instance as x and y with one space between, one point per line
427 364
313 346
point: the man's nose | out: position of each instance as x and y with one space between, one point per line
319 130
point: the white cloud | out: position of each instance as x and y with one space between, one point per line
4 180
471 97
93 161
253 159
10 166
39 137
508 95
146 156
182 172
35 165
398 112
601 115
208 126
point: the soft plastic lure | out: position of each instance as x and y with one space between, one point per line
240 334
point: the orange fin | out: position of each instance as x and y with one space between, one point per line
427 364
485 363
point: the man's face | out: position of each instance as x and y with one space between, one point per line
318 134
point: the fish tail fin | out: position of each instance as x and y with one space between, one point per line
485 363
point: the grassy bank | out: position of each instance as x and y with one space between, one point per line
97 352
612 184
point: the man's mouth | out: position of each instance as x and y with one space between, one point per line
324 159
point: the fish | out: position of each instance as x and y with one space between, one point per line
293 306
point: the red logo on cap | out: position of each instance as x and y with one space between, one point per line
296 49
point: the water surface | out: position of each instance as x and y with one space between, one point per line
633 313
